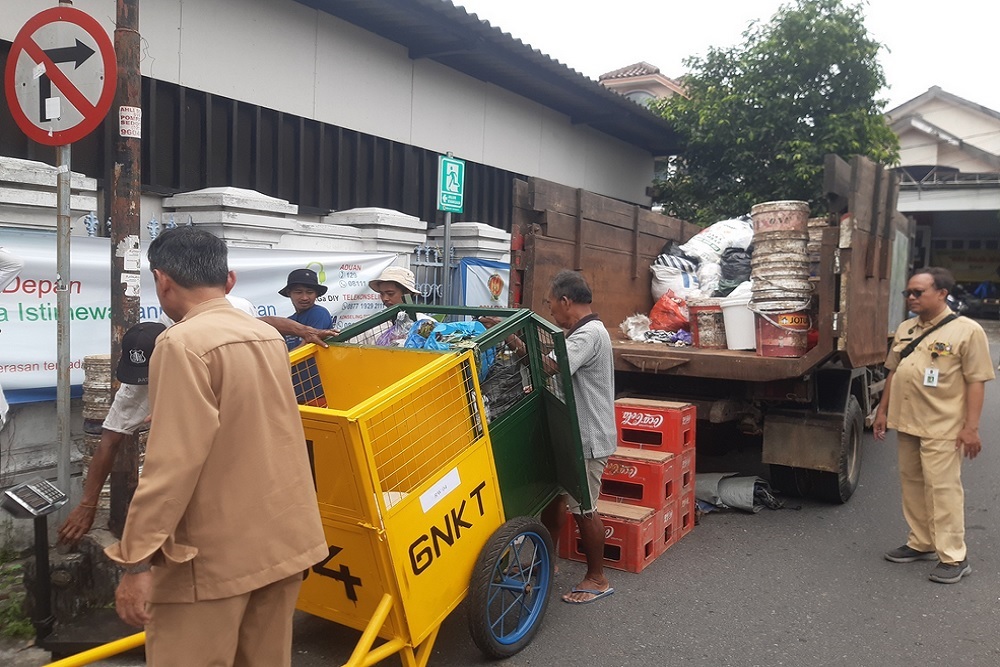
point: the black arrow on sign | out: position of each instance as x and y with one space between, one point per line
67 54
79 53
44 93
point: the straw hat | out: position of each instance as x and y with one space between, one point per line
395 274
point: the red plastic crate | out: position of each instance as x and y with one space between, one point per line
669 529
649 424
644 477
685 514
685 472
631 541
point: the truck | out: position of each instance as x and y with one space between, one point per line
807 413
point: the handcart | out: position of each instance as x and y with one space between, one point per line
430 470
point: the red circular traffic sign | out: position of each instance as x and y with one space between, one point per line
61 76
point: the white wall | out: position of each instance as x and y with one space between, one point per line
283 55
972 127
972 199
917 148
977 129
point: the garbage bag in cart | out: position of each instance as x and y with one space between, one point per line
426 496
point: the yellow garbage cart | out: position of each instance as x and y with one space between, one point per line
410 494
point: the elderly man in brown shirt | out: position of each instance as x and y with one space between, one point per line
934 397
224 520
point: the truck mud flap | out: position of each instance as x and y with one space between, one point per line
803 440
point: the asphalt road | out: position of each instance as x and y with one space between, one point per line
804 586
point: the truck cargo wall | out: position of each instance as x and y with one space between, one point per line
556 227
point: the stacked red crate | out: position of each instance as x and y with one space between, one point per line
651 425
641 477
647 490
631 537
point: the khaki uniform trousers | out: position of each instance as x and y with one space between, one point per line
930 473
249 630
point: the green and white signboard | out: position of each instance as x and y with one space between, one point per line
451 184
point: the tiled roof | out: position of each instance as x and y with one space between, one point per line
638 69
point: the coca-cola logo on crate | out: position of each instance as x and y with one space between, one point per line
622 470
630 418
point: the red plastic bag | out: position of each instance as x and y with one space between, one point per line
670 313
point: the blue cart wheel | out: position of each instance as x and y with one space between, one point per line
510 586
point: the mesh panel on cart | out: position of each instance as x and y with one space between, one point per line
415 437
507 382
412 439
308 387
554 380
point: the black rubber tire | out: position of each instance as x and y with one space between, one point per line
500 561
794 482
838 487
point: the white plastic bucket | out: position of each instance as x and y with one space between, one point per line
741 333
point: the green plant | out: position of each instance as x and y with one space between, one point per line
13 621
760 116
7 551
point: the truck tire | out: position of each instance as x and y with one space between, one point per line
838 487
791 481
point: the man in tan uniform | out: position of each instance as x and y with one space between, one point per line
934 397
224 520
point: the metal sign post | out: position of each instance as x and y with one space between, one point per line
63 174
58 92
451 199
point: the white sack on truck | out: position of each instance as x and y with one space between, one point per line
709 244
671 278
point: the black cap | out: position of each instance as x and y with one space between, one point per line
305 277
137 348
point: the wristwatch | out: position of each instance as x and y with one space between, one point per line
138 568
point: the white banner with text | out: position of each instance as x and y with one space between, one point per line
28 314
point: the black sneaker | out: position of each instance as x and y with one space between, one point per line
905 554
950 573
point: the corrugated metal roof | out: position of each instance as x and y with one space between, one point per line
440 31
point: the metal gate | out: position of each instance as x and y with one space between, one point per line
428 268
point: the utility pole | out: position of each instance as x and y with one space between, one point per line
125 253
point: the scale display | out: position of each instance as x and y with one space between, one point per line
36 497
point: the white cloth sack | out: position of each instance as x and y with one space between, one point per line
709 244
683 283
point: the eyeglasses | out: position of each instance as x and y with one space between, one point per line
915 293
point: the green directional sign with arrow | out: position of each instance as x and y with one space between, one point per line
451 184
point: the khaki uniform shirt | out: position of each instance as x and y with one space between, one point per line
226 503
960 353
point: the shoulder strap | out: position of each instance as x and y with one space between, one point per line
908 350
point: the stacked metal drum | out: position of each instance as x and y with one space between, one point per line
781 290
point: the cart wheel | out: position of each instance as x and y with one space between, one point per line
510 586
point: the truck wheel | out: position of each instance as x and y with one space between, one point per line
510 586
791 481
838 487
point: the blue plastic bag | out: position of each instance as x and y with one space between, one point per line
428 335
